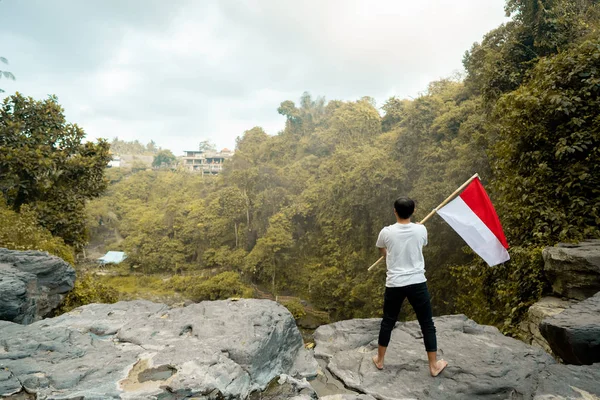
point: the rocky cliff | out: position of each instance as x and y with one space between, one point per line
573 269
574 334
483 363
567 324
252 349
144 350
32 284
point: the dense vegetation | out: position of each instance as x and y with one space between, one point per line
118 146
299 212
47 174
45 166
21 231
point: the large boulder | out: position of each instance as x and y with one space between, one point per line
569 382
32 284
483 363
143 350
573 269
544 308
574 334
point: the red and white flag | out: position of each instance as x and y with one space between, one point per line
474 218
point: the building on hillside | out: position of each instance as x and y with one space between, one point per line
112 257
205 162
133 161
115 162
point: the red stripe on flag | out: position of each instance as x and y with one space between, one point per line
478 200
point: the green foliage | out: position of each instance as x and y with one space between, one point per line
502 61
44 163
163 158
268 257
299 212
87 290
553 25
133 148
219 287
167 288
538 77
5 74
156 217
20 231
549 150
295 308
206 145
502 294
135 286
224 257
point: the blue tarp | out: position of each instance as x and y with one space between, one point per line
112 257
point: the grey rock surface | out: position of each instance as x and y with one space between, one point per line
325 384
143 350
574 334
286 388
569 382
32 284
483 363
573 269
544 308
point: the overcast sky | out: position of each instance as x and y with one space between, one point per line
178 72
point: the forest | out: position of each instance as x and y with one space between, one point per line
298 213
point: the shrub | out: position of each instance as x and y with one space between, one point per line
135 286
296 308
87 290
222 286
20 231
502 294
547 161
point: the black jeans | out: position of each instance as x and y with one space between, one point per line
418 297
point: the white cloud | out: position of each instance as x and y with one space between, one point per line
185 71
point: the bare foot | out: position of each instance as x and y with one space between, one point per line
438 367
377 363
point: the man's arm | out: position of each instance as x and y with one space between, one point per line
381 243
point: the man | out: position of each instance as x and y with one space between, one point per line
402 244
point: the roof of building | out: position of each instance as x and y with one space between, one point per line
210 154
113 257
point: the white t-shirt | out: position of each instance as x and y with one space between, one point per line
404 244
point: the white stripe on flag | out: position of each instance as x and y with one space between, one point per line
472 229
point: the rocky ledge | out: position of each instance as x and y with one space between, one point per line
573 269
252 349
143 350
574 334
530 326
32 284
483 363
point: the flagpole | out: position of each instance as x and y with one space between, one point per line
442 204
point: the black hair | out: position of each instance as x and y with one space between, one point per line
404 207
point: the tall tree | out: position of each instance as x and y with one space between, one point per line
163 158
133 147
151 146
206 146
45 163
548 156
